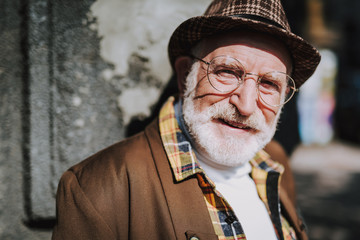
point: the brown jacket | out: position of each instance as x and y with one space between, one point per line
127 191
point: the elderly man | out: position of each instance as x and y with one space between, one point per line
199 171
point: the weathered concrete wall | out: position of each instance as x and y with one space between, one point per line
10 116
74 75
13 217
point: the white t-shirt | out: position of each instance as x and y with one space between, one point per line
239 190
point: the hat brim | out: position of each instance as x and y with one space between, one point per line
189 33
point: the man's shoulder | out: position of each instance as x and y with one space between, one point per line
128 152
110 175
113 165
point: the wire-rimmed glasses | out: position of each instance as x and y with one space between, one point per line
226 74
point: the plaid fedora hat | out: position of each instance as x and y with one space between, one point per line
265 16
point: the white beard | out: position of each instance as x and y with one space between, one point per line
225 150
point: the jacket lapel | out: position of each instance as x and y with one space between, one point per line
185 199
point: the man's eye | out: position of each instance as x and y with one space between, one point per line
270 85
226 73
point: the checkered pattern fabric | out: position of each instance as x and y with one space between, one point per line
265 173
271 10
265 16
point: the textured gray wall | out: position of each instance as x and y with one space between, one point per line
11 155
74 75
13 92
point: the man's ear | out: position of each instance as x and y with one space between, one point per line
182 68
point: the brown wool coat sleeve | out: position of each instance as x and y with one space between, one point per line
78 218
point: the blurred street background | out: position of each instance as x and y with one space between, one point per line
328 190
326 159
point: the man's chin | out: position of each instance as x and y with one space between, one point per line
230 159
229 150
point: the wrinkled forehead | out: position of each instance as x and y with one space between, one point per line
261 41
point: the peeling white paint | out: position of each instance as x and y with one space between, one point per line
79 123
137 101
76 101
107 74
70 134
143 28
140 26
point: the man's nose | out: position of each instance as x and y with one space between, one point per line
245 97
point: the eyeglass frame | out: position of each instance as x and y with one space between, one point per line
240 80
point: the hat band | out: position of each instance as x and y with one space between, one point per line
258 18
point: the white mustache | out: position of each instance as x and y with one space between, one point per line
229 113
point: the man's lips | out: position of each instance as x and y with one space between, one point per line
234 124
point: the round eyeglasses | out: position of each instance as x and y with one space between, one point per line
226 74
